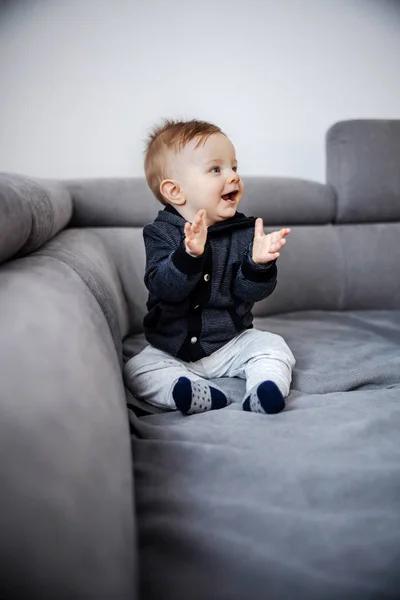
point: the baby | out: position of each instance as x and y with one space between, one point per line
206 266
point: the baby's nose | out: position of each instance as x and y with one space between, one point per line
234 176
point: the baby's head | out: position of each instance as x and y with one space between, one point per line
192 165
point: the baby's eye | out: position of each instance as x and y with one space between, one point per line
234 169
215 170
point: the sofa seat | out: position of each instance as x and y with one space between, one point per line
233 504
335 351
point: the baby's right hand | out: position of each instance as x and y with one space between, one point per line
196 234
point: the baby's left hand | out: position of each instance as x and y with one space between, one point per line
266 246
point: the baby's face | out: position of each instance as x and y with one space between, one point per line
208 178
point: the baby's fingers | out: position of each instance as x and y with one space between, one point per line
278 238
198 221
188 230
274 255
259 227
277 245
202 219
279 235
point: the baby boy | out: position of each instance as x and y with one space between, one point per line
206 266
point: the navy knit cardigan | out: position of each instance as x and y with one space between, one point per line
196 305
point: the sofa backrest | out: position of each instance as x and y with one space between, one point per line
32 211
127 205
342 253
363 165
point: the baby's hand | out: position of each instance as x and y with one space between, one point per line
196 234
266 247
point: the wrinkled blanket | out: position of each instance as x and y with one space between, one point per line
306 504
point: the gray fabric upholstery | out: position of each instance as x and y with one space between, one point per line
121 202
15 219
66 502
372 264
127 249
310 272
341 351
85 253
130 203
363 164
299 505
340 267
32 211
288 201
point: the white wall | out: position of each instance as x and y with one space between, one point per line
82 80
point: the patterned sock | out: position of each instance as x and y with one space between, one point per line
265 397
197 396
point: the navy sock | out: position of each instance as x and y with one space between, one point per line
265 397
197 396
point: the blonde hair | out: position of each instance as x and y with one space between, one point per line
167 139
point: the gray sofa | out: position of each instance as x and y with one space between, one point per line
102 499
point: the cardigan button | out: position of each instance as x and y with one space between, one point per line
193 340
206 277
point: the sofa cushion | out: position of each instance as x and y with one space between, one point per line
340 267
341 351
334 351
112 202
126 247
66 502
363 165
310 272
32 211
86 254
15 220
288 200
301 504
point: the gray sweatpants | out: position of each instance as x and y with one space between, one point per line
252 355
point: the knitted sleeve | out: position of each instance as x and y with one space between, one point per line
254 282
171 273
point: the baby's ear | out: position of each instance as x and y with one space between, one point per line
172 192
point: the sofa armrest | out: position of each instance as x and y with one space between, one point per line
66 478
32 211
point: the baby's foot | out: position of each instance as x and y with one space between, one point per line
265 397
197 396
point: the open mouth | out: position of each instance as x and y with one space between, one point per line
231 197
